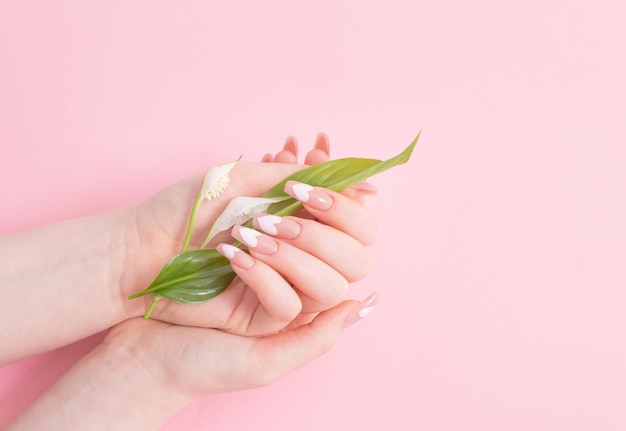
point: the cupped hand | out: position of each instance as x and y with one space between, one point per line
144 372
192 362
305 271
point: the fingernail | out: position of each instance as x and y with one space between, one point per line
322 143
365 188
236 256
361 310
274 225
313 197
291 145
255 240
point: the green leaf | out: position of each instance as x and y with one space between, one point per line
192 277
196 276
336 175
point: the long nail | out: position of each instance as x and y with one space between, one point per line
236 256
291 145
322 143
313 197
274 225
365 188
255 240
361 310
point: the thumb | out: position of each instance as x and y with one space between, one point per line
282 353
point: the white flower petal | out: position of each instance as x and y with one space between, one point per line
240 210
216 180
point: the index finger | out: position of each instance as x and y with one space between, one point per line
336 210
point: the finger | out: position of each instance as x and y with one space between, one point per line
336 210
337 249
360 191
205 361
289 153
365 189
280 303
267 158
321 285
320 152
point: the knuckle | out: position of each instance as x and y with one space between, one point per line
338 292
342 289
361 266
290 312
370 234
330 292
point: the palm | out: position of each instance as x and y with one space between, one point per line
161 226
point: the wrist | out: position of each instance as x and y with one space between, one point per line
68 272
149 243
133 271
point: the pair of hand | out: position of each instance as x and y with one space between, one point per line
306 270
292 285
286 307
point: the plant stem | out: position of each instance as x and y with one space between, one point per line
192 221
151 307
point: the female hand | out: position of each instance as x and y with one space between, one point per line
66 281
299 265
144 372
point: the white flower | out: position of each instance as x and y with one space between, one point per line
216 180
240 210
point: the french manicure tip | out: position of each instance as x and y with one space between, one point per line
227 250
235 255
361 310
365 311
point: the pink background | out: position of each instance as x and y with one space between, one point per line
502 249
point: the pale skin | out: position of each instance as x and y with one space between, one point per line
61 283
